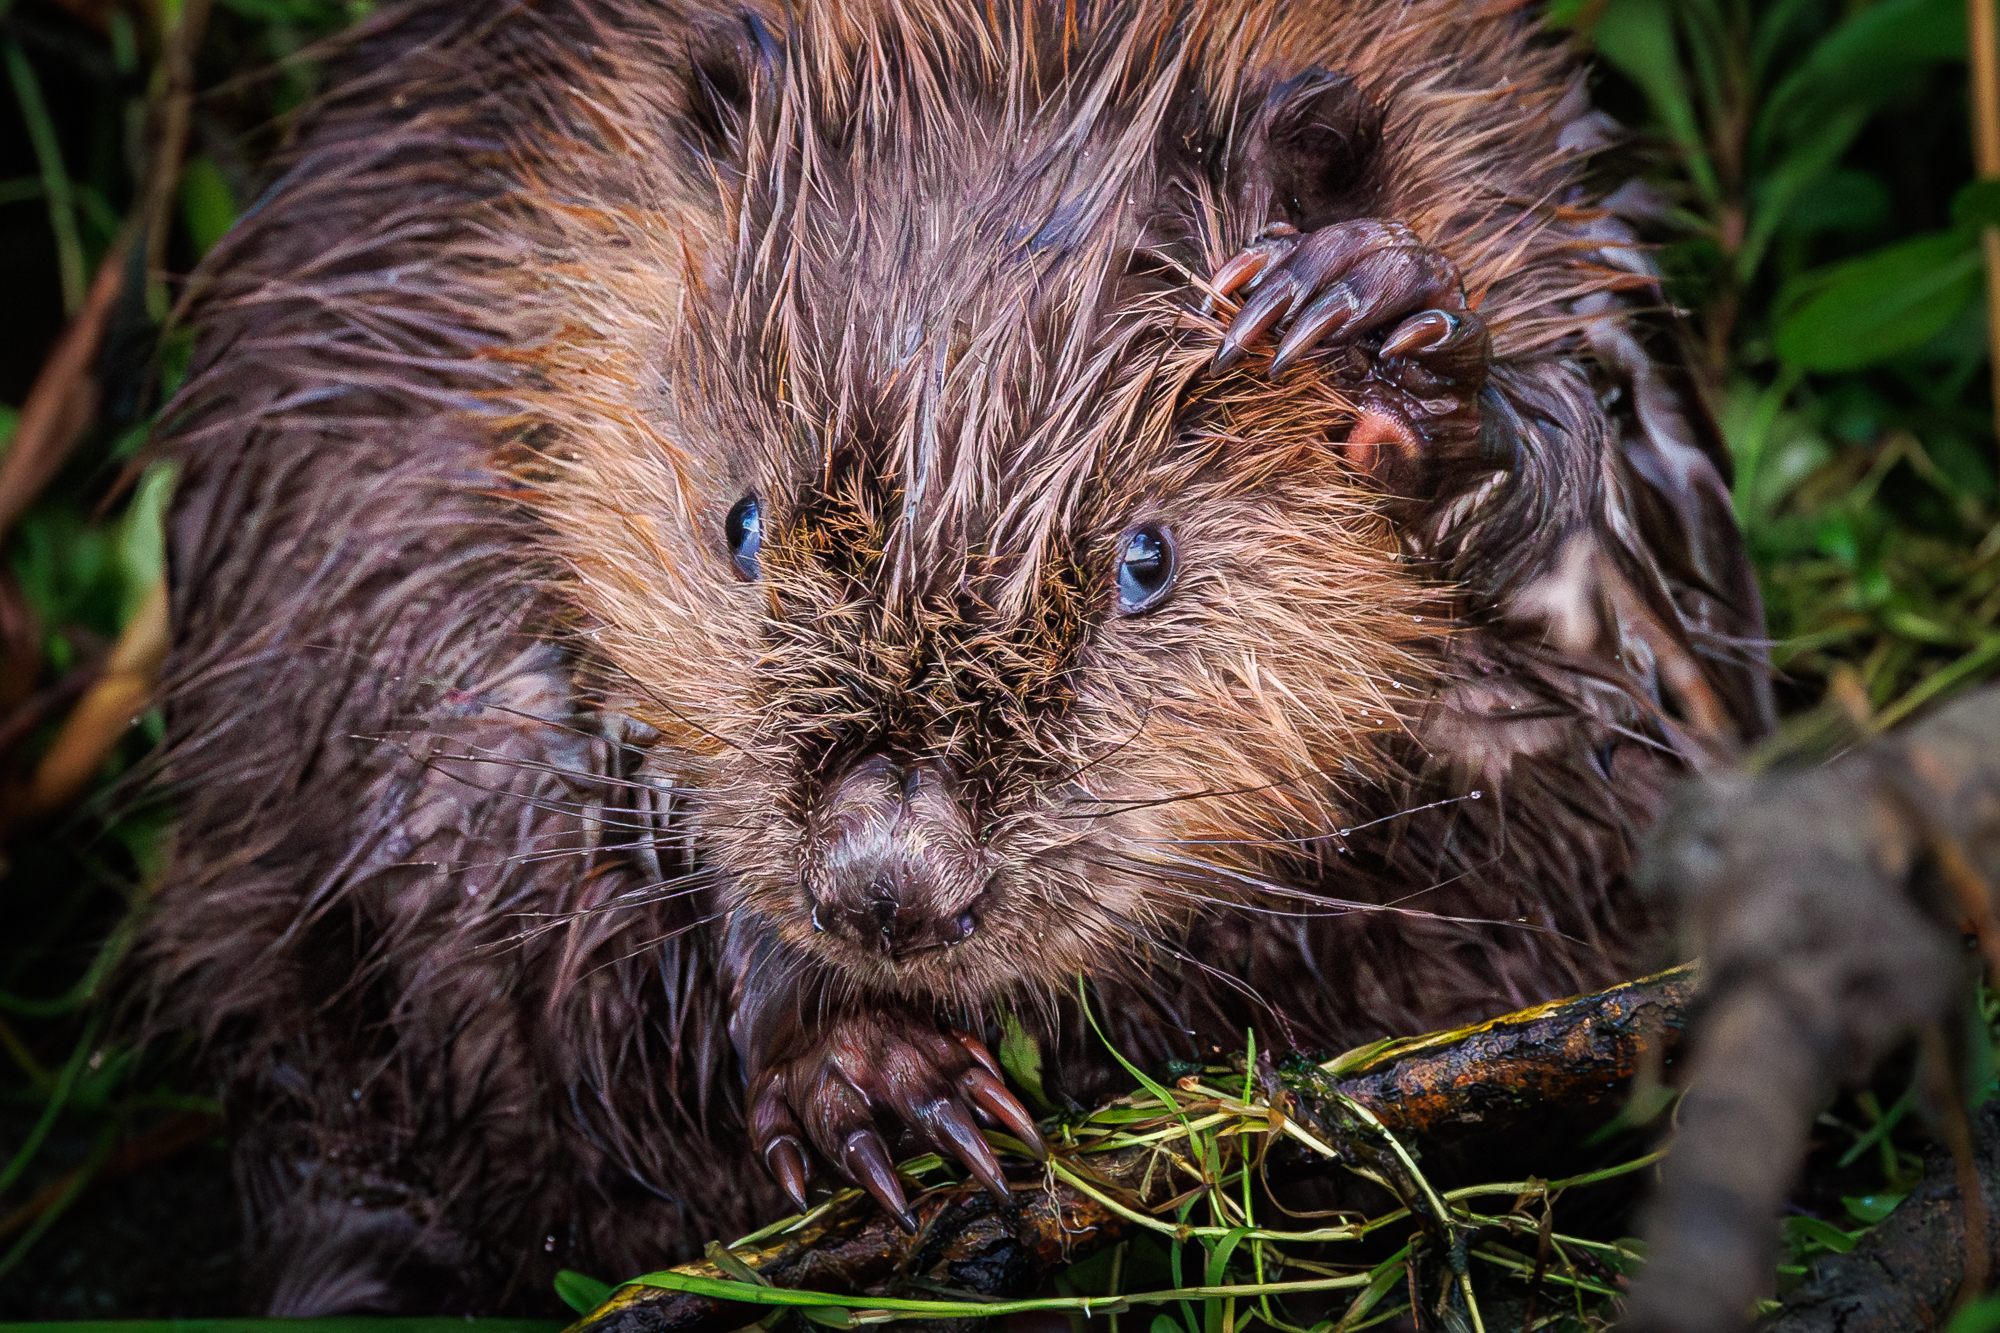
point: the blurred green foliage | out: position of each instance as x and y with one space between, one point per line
1819 222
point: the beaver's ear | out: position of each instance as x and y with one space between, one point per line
1315 143
726 68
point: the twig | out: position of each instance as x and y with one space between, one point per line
33 711
63 399
1816 899
1576 1052
97 723
1983 46
1957 1127
176 119
1908 1271
55 176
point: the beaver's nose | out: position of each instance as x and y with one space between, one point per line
893 863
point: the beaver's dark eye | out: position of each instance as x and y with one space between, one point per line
1145 568
743 530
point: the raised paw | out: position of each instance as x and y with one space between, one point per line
1343 287
1338 284
838 1086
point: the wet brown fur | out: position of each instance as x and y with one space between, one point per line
494 781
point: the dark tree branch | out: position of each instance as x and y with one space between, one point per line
1576 1052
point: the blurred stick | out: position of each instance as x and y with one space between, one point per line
100 717
1830 907
1908 1272
20 724
63 399
1983 45
65 393
176 118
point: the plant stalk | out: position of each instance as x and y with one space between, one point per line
1983 49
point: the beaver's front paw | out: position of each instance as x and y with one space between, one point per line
835 1085
1340 288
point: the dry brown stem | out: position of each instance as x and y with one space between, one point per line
1983 48
100 718
62 400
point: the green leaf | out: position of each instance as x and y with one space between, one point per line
831 1316
1807 1235
208 205
1384 1278
1149 1084
581 1292
1842 200
1791 179
1870 1208
726 1289
1869 309
1021 1057
1637 38
142 536
1977 205
307 13
1217 1273
1978 1317
1861 64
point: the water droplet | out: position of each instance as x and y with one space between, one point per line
1475 796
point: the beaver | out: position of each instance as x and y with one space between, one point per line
726 553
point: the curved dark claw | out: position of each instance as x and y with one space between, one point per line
785 1158
948 1122
1247 268
1425 331
1340 281
1338 310
839 1087
1259 315
1417 395
977 1050
866 1158
1436 352
990 1095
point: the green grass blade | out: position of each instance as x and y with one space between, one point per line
55 177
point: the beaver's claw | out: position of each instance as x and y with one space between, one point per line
1340 283
1349 282
829 1098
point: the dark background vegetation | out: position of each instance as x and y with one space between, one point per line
1810 178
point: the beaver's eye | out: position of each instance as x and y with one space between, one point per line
743 530
1145 568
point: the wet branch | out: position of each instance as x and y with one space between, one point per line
1576 1052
